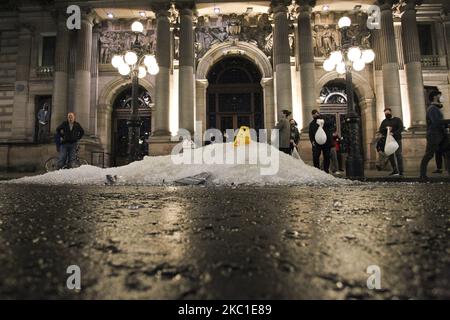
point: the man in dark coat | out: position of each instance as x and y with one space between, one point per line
396 128
325 148
284 135
437 138
70 133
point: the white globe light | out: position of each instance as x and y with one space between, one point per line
149 61
328 65
153 70
368 56
137 27
354 54
131 58
359 65
340 68
142 72
124 69
336 57
344 22
116 61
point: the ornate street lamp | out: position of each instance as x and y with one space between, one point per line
350 57
134 64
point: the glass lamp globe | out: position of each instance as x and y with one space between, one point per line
344 22
137 27
354 54
340 68
153 70
149 61
336 57
359 65
142 72
124 69
328 65
116 61
368 56
131 58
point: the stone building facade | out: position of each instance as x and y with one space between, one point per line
274 48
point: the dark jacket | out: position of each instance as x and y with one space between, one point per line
436 125
397 127
295 134
67 135
327 127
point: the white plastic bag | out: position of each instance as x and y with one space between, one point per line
321 136
295 154
391 144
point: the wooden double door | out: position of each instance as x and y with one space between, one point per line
232 106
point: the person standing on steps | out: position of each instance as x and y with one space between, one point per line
70 132
318 149
437 137
396 128
284 134
295 136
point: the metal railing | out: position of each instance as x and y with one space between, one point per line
433 61
44 72
100 159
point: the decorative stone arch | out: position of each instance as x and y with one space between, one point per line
360 84
104 107
236 48
367 102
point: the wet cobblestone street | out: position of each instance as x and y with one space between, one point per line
225 243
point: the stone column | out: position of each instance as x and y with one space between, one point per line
60 76
186 71
378 76
21 94
306 59
282 56
269 110
82 99
94 79
200 106
162 90
413 65
391 78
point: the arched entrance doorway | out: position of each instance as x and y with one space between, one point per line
234 96
120 114
333 102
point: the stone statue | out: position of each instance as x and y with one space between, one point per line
43 117
327 39
336 36
317 41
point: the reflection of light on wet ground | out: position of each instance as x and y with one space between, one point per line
220 243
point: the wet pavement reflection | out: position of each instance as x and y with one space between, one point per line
225 243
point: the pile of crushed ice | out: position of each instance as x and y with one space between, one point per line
254 164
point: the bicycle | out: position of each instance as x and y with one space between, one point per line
52 163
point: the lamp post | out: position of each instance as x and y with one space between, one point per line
134 64
350 57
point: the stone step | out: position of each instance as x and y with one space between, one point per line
8 50
11 42
7 65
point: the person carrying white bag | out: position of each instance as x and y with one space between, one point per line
320 135
391 144
391 128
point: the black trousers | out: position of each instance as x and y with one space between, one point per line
326 151
435 143
396 159
285 150
438 157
